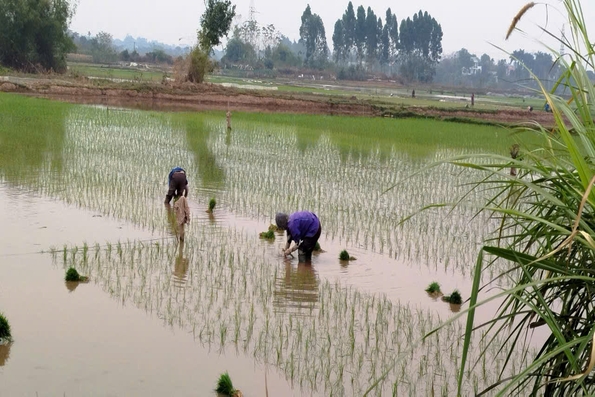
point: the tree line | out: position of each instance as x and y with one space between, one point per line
34 36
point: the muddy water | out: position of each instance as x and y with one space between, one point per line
161 318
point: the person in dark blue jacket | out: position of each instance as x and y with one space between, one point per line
303 227
178 184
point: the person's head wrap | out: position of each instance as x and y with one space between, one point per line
281 220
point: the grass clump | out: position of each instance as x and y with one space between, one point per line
317 247
4 327
212 204
433 288
454 298
269 235
273 228
225 387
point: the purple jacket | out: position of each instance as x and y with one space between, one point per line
302 224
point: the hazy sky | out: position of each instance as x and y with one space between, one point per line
471 24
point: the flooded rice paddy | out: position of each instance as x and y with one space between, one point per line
83 186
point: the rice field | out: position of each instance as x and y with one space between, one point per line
320 330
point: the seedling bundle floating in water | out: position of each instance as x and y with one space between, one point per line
269 235
5 334
344 256
225 387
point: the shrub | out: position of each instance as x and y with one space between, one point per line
199 66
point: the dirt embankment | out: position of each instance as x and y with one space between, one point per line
198 97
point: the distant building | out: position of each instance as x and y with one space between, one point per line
473 70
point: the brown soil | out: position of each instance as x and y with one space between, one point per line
188 96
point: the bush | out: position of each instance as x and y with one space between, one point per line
72 275
199 66
4 327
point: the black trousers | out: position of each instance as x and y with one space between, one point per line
308 243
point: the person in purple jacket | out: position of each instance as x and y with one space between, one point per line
303 227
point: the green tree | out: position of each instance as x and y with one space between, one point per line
314 38
420 45
239 51
339 42
360 33
385 48
215 23
371 36
34 34
102 48
349 23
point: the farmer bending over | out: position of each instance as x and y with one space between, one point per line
304 228
178 184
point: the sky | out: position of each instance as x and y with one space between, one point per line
477 25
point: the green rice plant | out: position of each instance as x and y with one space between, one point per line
4 328
225 386
212 204
317 247
433 288
269 235
454 298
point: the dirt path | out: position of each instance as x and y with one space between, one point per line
197 97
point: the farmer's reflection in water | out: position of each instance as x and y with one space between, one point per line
180 266
297 288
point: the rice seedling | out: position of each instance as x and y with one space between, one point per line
72 275
225 386
268 235
454 298
433 288
344 256
212 204
5 334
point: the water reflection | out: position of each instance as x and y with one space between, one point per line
297 288
33 135
180 267
171 220
4 353
71 285
197 135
